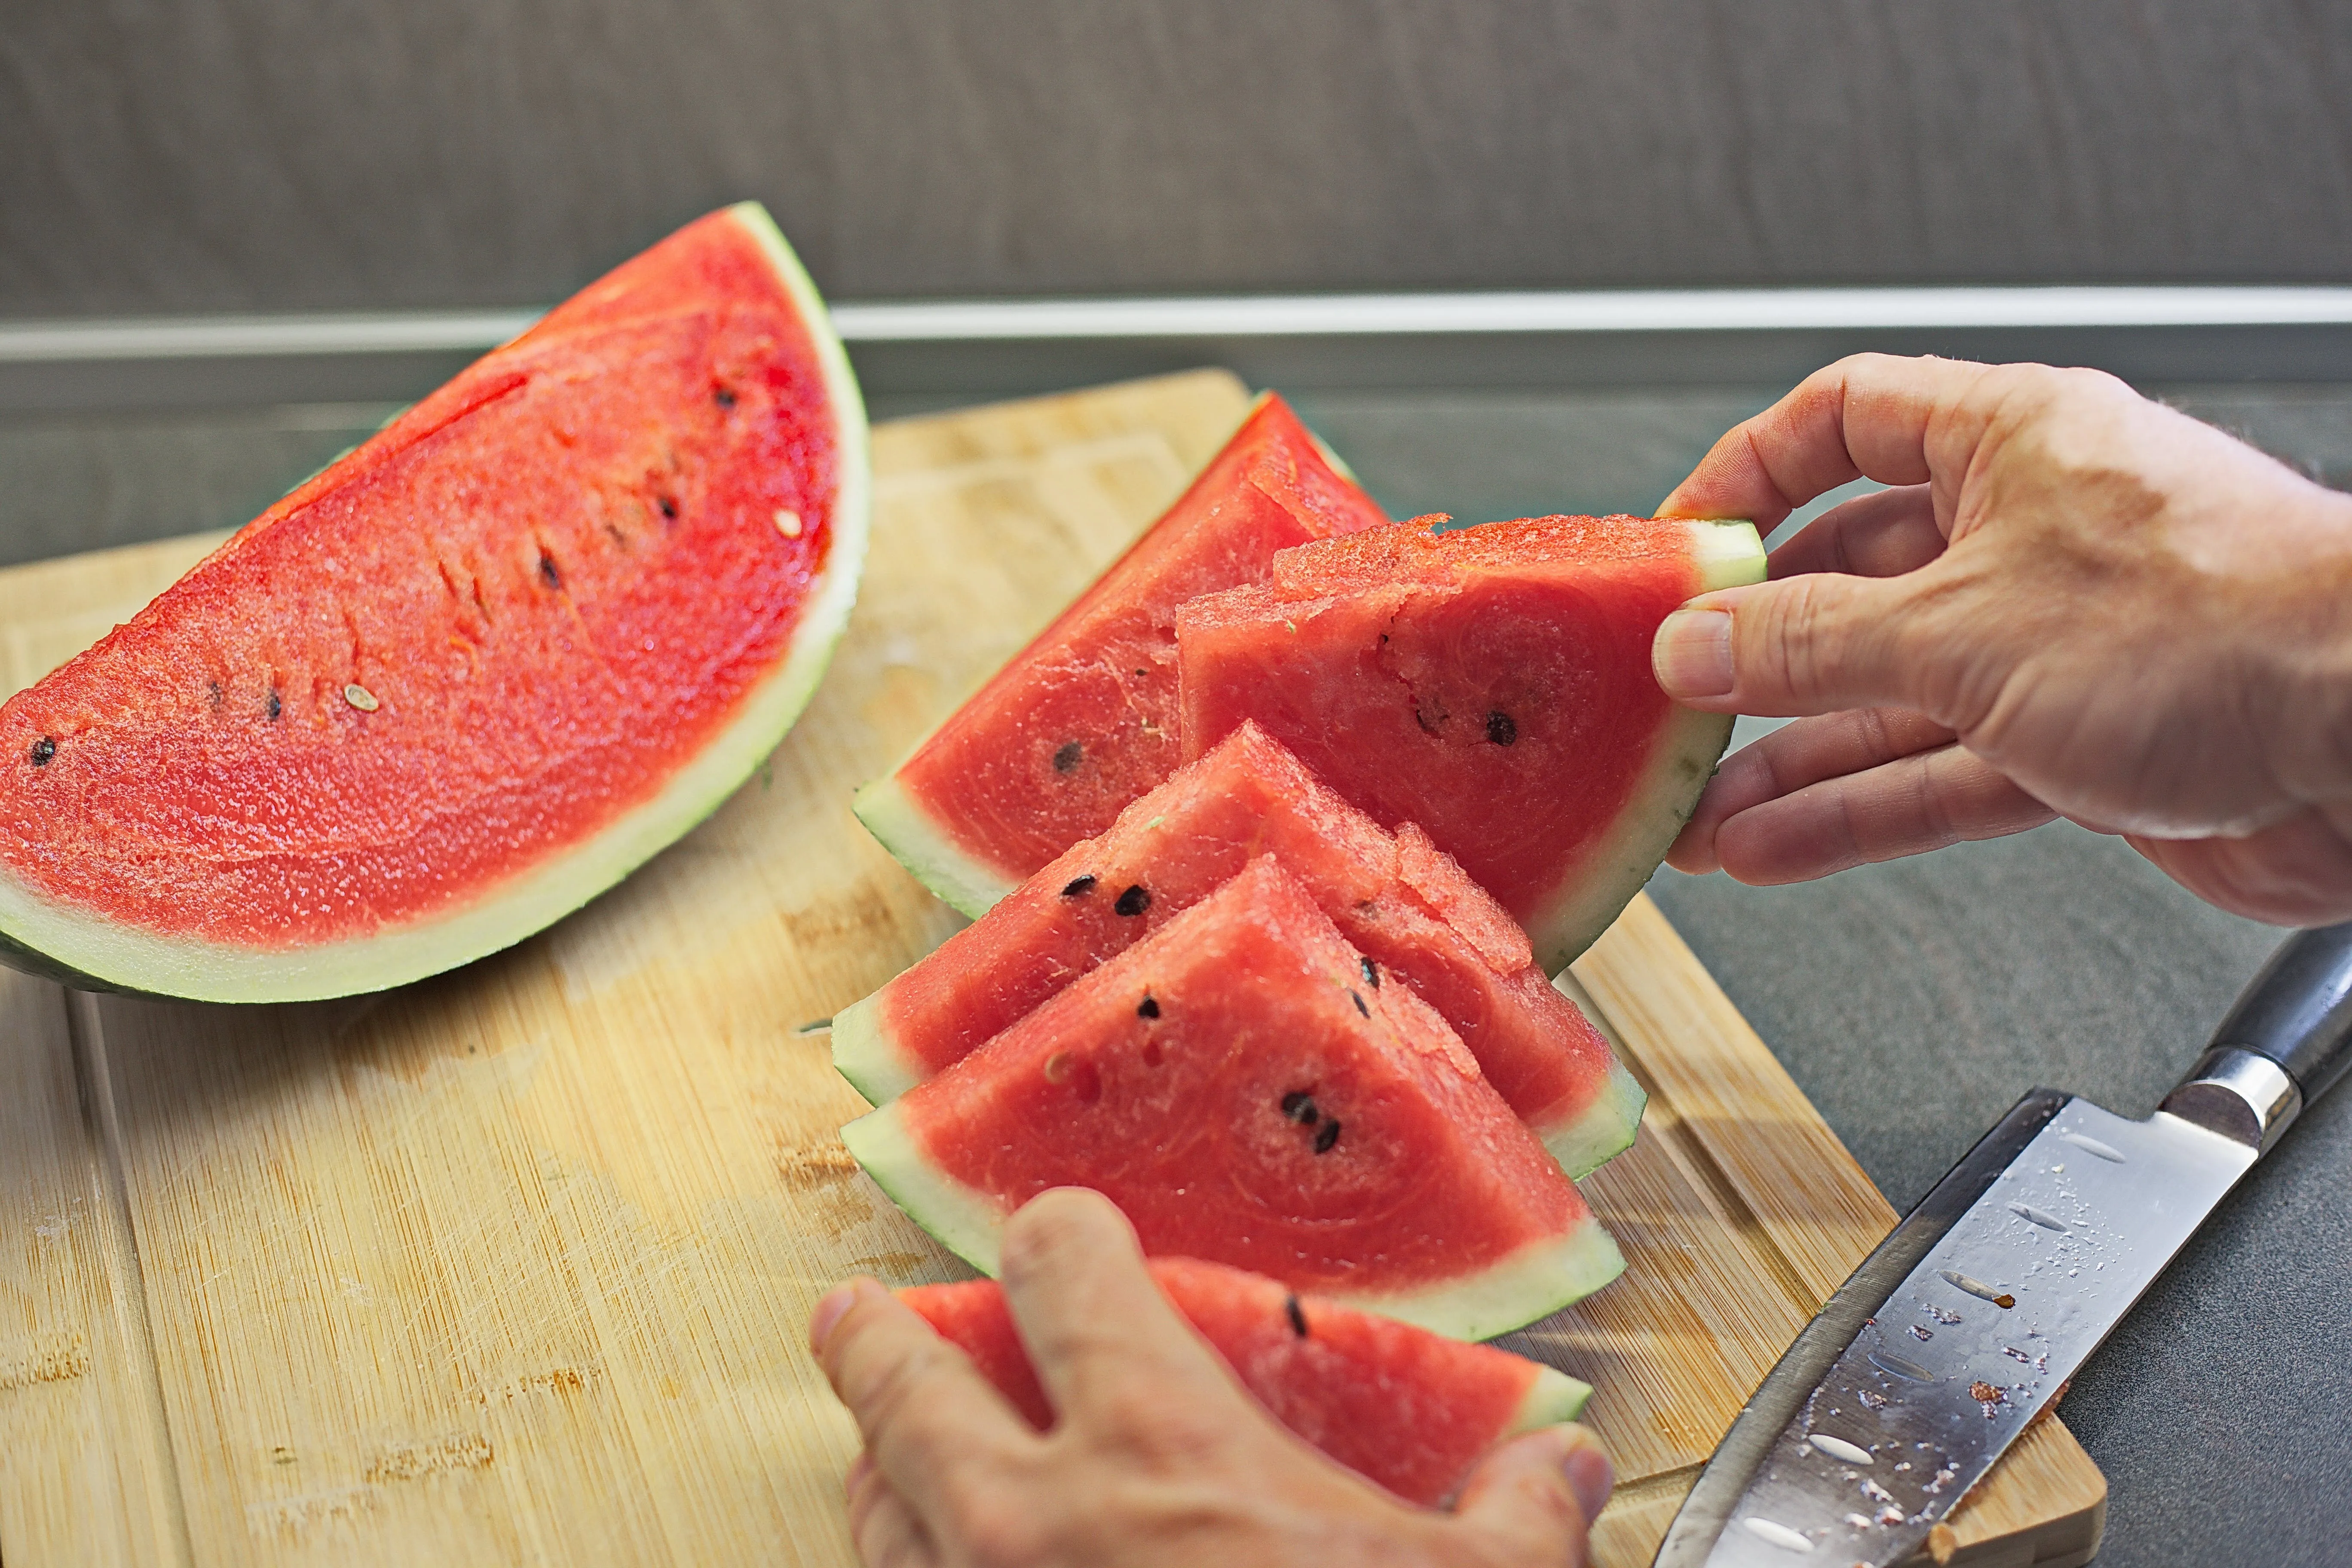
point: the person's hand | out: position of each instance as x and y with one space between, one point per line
2074 602
1157 1455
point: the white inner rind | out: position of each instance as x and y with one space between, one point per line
1604 1131
1663 794
966 1221
1553 1397
1533 1282
113 955
868 1056
893 815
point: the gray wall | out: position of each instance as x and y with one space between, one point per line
272 154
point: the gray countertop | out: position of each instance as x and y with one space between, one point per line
1913 1002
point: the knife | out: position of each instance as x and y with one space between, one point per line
1972 1314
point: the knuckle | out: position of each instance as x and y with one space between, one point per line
999 1526
1147 1423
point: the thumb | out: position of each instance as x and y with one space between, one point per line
1538 1494
1819 643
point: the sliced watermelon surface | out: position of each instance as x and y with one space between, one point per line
1401 902
1398 1406
1491 684
1240 1089
1083 720
471 674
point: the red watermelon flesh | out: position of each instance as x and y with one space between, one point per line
1235 1085
1492 684
1397 1404
472 672
1083 720
1402 902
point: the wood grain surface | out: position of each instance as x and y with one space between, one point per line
514 1264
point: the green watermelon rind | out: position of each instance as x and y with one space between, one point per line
1729 554
868 1055
1604 1129
1553 1399
89 951
915 841
1533 1282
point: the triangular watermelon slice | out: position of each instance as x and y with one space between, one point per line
1398 1406
1083 720
1236 1086
1397 899
1492 684
474 672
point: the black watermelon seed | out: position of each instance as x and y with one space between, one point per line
276 707
1150 1009
726 396
212 693
547 571
1078 886
1501 728
1297 1318
1139 675
42 750
1328 1136
1299 1106
669 507
1066 756
1133 901
1371 974
1359 1001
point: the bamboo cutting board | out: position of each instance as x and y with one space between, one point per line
514 1264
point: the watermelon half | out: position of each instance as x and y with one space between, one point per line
1397 1404
1402 902
1083 720
1492 684
1238 1087
473 673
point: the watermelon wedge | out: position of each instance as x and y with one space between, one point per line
1236 1086
473 673
1083 720
1492 684
1397 1404
1399 901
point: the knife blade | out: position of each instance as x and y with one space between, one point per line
1966 1321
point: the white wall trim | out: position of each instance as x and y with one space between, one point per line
1249 316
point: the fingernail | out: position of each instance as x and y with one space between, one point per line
834 1303
1592 1477
1692 654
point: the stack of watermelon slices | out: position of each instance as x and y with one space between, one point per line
1272 840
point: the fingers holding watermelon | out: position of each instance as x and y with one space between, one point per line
1848 789
2137 623
1171 1413
934 1427
1105 1344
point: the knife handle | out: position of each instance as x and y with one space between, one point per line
2286 1043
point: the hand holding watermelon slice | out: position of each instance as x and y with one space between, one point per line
1162 1451
2075 602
